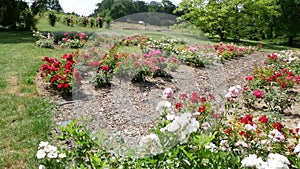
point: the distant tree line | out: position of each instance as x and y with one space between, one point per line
252 19
16 14
114 9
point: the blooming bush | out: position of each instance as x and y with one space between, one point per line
43 41
229 51
77 41
50 156
61 73
272 85
196 55
193 134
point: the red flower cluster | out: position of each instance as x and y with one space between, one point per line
61 72
263 119
278 126
247 119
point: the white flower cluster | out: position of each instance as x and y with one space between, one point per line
276 136
183 125
289 56
233 93
274 161
151 143
211 147
47 150
163 106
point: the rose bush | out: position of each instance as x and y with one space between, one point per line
272 85
61 73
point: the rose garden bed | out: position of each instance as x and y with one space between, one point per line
128 110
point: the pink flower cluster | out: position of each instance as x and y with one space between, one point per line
233 93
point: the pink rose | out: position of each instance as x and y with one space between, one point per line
168 93
258 93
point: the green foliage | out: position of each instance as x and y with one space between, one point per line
117 9
51 18
237 19
45 43
16 15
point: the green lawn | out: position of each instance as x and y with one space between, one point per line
25 117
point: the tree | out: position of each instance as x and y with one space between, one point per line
233 18
16 14
39 6
119 8
289 19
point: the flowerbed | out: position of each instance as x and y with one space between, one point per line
229 51
64 39
193 133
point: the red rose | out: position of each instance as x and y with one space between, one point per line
66 85
242 133
249 78
44 67
106 67
183 96
263 119
202 109
203 99
195 97
297 79
278 126
283 85
66 34
178 106
68 57
228 131
60 86
258 93
247 119
54 79
45 59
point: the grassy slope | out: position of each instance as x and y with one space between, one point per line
25 117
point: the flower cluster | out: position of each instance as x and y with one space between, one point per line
61 73
273 84
77 41
47 150
150 143
259 134
43 41
135 40
182 126
274 161
233 93
196 55
228 51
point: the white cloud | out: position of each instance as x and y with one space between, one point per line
81 7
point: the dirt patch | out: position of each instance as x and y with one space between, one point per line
13 85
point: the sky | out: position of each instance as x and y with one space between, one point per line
86 7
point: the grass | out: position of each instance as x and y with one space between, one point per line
25 117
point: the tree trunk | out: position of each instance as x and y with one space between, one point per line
291 41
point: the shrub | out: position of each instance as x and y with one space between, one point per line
61 73
51 18
43 41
